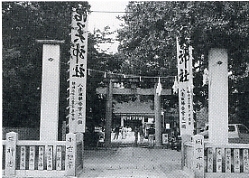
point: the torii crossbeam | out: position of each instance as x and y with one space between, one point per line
110 91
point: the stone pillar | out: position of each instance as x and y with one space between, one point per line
198 156
218 96
185 138
108 115
10 154
50 89
71 154
158 124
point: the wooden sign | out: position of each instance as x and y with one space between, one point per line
78 71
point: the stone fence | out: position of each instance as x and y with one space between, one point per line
33 158
210 161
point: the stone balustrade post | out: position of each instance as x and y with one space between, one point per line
10 153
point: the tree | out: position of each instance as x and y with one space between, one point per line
23 23
98 64
148 40
147 45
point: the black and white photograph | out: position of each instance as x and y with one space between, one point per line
125 89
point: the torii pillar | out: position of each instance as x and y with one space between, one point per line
158 119
50 90
110 91
108 115
218 96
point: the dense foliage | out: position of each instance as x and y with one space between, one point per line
148 40
24 23
147 47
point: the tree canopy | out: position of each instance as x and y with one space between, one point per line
24 23
147 47
151 28
148 40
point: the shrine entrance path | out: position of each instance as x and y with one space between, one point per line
137 162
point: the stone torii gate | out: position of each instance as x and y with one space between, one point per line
110 91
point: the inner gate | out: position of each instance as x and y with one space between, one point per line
133 114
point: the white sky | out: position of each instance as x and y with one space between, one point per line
100 20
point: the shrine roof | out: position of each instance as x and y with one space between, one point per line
134 107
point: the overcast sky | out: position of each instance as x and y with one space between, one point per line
104 18
101 19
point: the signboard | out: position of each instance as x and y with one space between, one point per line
151 120
132 117
97 129
78 71
185 79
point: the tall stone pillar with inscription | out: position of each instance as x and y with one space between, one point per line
185 84
50 89
78 71
218 96
185 93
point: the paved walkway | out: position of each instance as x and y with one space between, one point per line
137 162
132 162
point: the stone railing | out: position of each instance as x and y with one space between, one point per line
229 160
209 160
34 158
